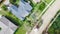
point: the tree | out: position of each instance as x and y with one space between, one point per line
4 7
15 2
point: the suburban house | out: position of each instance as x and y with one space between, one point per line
22 11
6 26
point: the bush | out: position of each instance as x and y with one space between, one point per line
15 2
0 28
4 7
14 19
42 6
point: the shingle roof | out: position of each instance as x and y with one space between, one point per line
22 11
7 26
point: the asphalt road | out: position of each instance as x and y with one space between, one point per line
49 14
47 17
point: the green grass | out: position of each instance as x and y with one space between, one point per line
37 9
48 1
42 6
14 19
21 30
15 2
4 7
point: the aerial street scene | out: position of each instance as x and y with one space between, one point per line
29 16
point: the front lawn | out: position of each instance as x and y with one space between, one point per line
47 1
21 30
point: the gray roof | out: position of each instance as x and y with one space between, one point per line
25 5
22 11
8 23
14 7
7 26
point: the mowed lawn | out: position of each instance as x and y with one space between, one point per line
48 1
20 30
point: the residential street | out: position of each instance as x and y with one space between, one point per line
49 14
47 17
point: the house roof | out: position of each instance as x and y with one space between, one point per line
7 26
22 11
25 5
